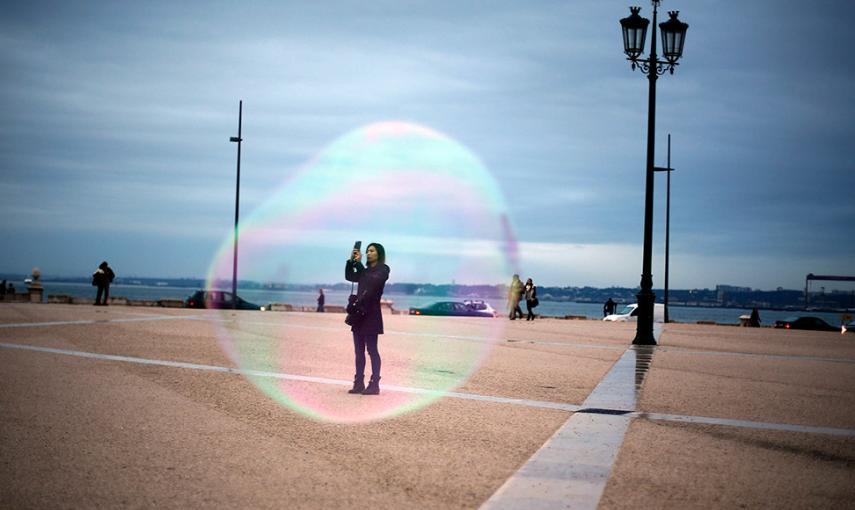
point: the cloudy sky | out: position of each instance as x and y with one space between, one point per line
116 118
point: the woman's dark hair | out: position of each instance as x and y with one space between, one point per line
381 252
103 265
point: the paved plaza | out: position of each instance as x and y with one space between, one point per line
116 407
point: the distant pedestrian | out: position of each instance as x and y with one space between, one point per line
102 278
754 320
530 299
3 289
609 308
515 292
321 300
10 289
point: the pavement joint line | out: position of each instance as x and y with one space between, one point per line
328 328
559 406
585 408
426 335
794 357
141 318
96 321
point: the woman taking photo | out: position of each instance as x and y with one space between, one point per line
371 281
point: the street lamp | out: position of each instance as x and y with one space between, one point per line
238 140
667 222
673 37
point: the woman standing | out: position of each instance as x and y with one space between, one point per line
371 282
530 298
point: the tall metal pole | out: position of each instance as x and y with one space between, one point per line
646 297
239 139
667 225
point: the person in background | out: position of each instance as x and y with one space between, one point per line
515 292
10 289
609 308
3 290
102 278
530 299
754 321
321 300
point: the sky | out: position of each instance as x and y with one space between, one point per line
116 118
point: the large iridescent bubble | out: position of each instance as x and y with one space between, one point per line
441 217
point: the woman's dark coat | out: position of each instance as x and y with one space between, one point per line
371 282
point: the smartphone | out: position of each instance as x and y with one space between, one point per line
357 245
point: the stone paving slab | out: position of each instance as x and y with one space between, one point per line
805 392
80 432
676 466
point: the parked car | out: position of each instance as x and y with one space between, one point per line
456 309
217 299
481 305
811 323
629 313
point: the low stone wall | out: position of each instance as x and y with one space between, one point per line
141 302
280 307
16 298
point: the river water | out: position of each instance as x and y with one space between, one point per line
404 301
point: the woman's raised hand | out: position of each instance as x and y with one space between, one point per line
356 256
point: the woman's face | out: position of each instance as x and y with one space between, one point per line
372 255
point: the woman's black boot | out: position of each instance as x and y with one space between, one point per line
358 385
373 386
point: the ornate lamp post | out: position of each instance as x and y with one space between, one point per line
673 36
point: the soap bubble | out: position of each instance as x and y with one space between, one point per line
441 217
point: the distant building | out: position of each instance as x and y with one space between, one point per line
721 291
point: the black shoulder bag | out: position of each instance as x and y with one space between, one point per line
355 309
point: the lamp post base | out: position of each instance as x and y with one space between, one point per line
644 331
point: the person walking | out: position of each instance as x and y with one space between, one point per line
321 300
514 295
102 278
370 281
754 320
3 290
530 299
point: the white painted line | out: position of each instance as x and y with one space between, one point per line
571 469
569 344
97 321
292 377
589 408
747 424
